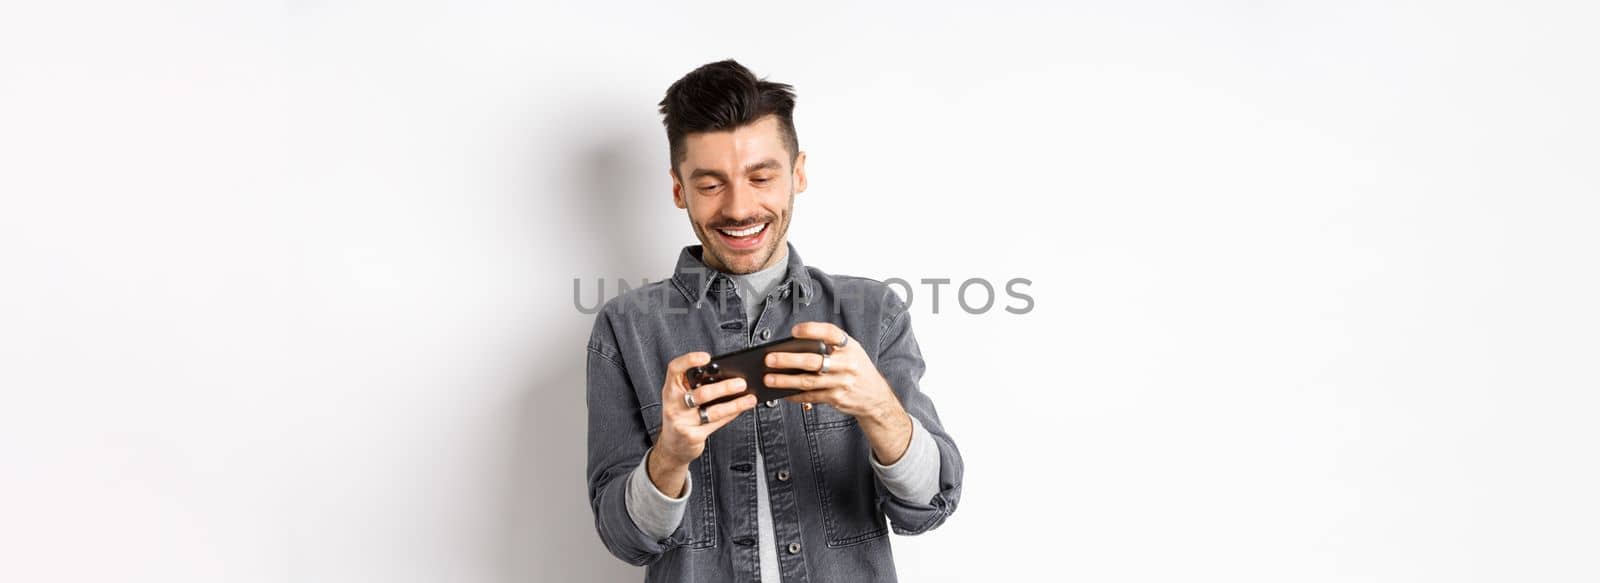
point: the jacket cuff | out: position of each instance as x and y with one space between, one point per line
914 477
656 514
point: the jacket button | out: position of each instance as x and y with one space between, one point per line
772 403
766 333
794 548
806 406
783 475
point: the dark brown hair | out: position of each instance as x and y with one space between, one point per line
722 96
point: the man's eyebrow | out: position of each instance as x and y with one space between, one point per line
772 163
698 172
762 165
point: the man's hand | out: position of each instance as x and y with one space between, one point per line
683 434
851 384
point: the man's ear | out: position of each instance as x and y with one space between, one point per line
800 172
677 190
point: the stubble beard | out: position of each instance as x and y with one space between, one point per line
778 234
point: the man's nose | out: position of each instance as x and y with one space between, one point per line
741 203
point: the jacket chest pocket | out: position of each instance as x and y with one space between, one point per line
699 527
846 488
824 417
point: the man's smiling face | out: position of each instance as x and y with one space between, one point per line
739 187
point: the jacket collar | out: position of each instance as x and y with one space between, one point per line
696 281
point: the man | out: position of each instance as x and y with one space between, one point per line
804 488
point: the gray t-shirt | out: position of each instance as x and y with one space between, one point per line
753 289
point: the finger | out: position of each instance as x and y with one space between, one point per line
800 361
828 395
682 394
730 409
702 432
719 389
823 331
678 367
721 413
809 382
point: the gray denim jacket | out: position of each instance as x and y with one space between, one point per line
831 513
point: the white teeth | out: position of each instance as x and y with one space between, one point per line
746 232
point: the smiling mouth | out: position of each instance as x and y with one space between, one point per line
745 232
743 239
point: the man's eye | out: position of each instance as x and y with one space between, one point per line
760 180
709 186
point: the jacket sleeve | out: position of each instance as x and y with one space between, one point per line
618 441
899 360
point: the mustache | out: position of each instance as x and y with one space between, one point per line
735 225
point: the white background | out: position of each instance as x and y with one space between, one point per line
287 289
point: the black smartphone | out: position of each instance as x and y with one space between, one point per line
750 364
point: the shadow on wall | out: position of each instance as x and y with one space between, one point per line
551 527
